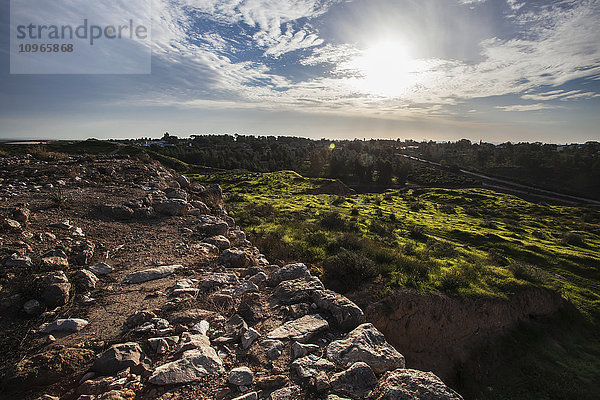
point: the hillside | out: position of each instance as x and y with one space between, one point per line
122 280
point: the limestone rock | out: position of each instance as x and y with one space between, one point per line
18 261
272 348
300 350
32 307
297 290
190 341
183 181
245 287
236 327
311 366
11 224
365 343
121 356
66 325
347 314
248 396
289 272
249 337
214 280
101 268
192 366
302 329
285 393
171 207
152 274
220 241
56 289
358 381
237 258
408 384
85 280
177 194
139 318
211 226
241 376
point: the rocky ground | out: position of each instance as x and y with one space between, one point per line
120 279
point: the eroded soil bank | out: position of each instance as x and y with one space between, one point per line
439 333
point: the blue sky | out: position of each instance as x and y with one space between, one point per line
495 70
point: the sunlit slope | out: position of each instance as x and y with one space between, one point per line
461 241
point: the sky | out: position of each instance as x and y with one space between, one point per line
492 70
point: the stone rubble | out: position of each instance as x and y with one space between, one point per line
233 324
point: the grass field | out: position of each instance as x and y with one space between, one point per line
459 241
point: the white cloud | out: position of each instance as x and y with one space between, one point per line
549 49
527 107
559 95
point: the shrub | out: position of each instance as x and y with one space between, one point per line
441 248
350 241
523 272
333 221
236 198
452 280
573 239
417 232
354 212
348 269
496 256
380 228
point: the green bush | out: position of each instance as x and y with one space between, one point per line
333 221
348 269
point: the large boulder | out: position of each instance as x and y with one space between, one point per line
55 289
347 314
220 241
289 272
177 194
192 366
358 381
237 258
365 343
209 226
121 356
301 329
172 207
297 290
152 274
408 384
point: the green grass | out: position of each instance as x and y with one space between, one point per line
463 242
460 241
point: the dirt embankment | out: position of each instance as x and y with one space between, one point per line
437 333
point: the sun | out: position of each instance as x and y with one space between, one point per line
385 68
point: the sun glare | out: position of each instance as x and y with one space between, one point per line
385 69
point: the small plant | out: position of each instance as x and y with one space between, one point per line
58 198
